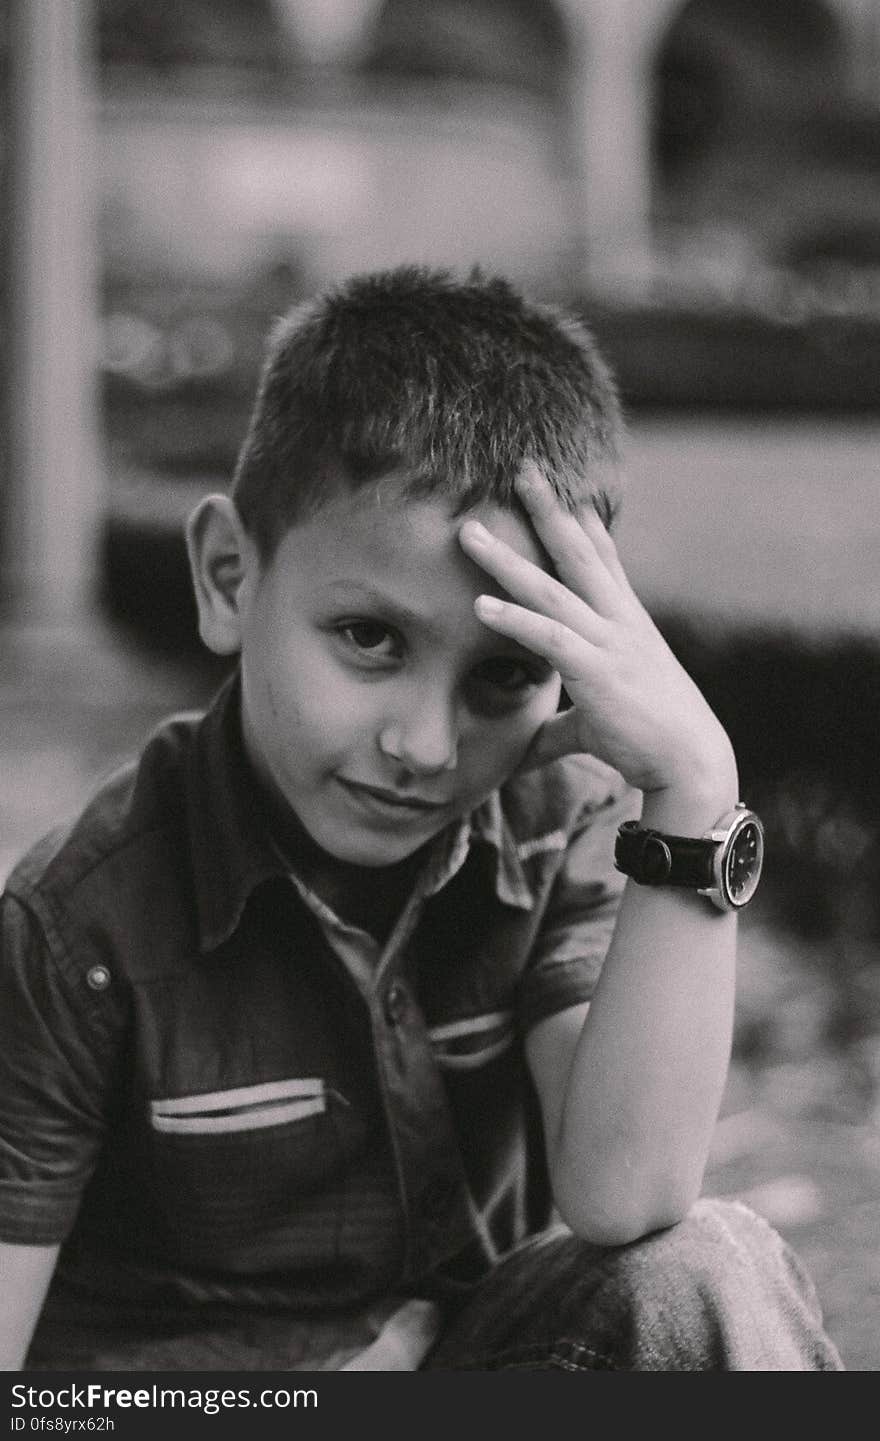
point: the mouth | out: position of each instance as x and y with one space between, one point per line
393 803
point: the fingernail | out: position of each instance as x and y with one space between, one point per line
530 482
476 533
488 606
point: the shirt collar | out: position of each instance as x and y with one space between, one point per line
486 825
229 836
232 847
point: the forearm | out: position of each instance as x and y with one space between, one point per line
649 1069
25 1273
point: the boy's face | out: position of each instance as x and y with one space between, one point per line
375 703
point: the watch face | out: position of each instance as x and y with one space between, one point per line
742 864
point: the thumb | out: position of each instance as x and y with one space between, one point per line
557 737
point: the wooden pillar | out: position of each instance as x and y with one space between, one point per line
611 101
328 31
54 505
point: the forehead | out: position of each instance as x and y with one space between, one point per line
400 548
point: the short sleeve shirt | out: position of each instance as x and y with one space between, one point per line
214 1090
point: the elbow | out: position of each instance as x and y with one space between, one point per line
600 1229
618 1215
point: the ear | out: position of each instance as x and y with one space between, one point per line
221 557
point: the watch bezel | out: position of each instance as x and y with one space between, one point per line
724 834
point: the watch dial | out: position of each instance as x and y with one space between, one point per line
742 868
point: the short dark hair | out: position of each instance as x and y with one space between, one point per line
453 382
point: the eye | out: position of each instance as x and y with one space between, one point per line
508 674
371 638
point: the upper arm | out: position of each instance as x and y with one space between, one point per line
25 1273
57 1066
550 1046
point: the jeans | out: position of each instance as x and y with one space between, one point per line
720 1291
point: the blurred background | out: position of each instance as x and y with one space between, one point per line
701 180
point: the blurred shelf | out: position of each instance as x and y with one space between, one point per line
729 359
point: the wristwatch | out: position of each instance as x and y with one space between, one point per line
724 864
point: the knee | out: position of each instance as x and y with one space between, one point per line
723 1266
717 1243
729 1291
720 1290
702 1256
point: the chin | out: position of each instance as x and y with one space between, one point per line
374 854
358 848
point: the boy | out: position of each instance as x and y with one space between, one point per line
304 1031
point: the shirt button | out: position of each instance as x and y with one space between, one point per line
98 978
395 1003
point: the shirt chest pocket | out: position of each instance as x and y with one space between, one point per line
472 1042
243 1108
231 1167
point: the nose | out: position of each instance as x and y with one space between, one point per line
423 735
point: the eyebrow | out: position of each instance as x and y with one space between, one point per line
353 592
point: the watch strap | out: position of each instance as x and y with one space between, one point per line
654 858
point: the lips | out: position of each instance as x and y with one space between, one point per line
392 802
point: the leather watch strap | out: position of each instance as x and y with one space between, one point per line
655 859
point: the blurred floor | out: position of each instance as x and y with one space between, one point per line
798 1137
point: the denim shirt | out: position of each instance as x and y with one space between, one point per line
213 1089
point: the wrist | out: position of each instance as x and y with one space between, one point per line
691 802
723 864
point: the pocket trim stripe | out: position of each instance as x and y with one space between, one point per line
262 1094
473 1041
464 1061
473 1025
243 1108
252 1119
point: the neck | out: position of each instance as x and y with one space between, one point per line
370 897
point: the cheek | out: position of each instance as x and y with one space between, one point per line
318 716
292 684
283 713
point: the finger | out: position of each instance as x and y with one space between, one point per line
583 551
525 581
592 525
566 650
577 546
